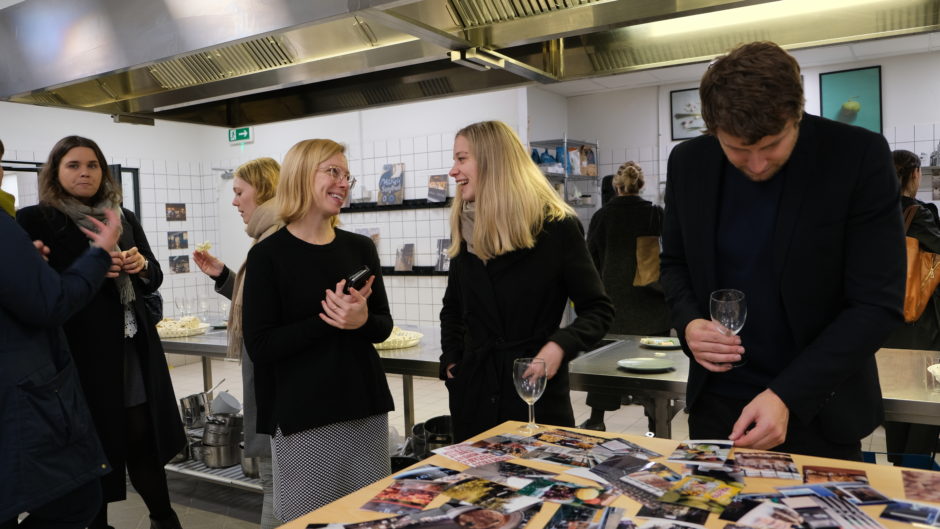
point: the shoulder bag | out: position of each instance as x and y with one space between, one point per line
923 273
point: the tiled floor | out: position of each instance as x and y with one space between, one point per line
203 505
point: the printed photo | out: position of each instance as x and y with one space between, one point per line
713 451
921 486
569 439
815 474
619 446
473 517
427 473
702 493
767 464
175 212
508 444
177 240
670 511
405 258
575 517
571 457
391 190
568 493
509 474
179 264
909 512
437 188
489 495
404 496
443 260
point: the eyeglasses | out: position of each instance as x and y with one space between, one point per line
339 175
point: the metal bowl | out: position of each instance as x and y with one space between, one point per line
221 456
251 466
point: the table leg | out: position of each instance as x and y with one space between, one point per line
206 373
407 385
663 425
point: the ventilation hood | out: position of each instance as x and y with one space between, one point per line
243 62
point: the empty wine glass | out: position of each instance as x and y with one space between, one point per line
729 309
530 376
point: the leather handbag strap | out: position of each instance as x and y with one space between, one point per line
909 213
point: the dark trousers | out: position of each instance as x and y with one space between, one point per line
143 467
713 416
70 511
919 440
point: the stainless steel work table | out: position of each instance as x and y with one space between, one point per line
902 375
420 360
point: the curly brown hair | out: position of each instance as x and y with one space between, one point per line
752 92
629 178
50 189
906 164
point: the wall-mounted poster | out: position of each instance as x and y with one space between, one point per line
405 258
685 113
177 240
852 96
179 264
437 188
175 211
391 189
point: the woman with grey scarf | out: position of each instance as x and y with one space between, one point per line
114 341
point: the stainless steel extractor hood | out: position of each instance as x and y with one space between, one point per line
242 62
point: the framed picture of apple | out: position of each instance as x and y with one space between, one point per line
852 96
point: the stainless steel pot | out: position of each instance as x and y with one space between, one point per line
221 456
251 466
194 409
222 429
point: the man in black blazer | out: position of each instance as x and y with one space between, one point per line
802 215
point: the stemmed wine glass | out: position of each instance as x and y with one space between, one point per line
530 376
729 308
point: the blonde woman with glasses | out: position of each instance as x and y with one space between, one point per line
517 256
320 388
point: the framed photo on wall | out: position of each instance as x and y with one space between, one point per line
685 114
852 96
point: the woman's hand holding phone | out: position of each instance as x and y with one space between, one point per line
347 311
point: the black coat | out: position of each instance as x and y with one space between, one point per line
612 242
96 337
509 308
839 256
47 444
925 332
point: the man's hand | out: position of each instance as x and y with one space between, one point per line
713 348
553 355
762 424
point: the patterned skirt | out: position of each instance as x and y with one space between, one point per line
317 466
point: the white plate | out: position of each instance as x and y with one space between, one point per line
646 364
657 342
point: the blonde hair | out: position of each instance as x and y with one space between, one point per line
295 188
629 178
261 174
513 197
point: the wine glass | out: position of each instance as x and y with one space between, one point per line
530 376
729 308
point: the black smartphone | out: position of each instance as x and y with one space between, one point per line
357 279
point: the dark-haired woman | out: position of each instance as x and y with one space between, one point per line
113 339
900 437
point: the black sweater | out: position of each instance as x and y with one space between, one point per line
309 373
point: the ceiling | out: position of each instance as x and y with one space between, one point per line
242 62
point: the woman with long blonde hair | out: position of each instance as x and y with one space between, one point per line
517 256
320 388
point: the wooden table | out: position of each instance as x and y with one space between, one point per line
886 479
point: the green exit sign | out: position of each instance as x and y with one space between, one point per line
241 135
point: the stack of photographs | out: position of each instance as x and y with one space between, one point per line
767 464
574 517
412 490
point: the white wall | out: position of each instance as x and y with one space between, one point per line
547 115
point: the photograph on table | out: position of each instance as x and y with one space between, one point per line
912 513
770 515
715 451
489 495
649 483
509 474
685 113
177 240
619 447
767 464
468 455
569 439
821 507
730 472
427 473
175 211
507 444
575 517
921 486
668 524
817 474
746 502
474 517
673 512
179 264
852 96
701 492
569 493
405 496
571 457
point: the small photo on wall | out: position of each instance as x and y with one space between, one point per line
391 184
437 188
177 240
175 211
685 113
405 258
179 264
443 260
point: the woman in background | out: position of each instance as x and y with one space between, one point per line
517 256
113 339
901 437
612 239
254 186
321 390
51 462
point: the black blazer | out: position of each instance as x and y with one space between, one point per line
839 256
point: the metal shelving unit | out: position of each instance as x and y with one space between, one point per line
573 187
